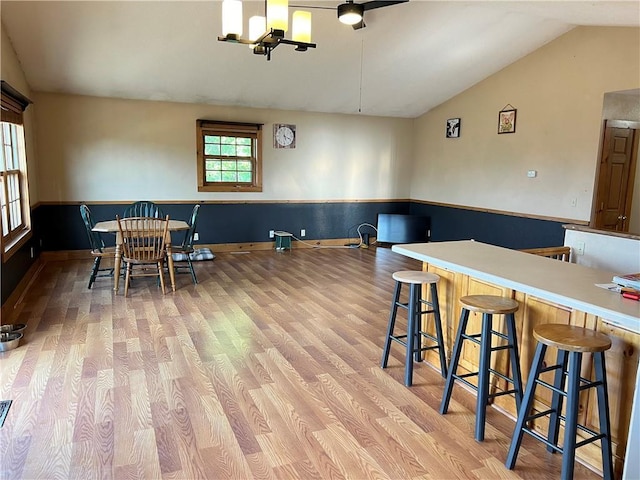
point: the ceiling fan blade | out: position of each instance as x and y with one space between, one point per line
380 3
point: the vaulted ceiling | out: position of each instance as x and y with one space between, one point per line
409 58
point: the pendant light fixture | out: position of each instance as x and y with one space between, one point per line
266 33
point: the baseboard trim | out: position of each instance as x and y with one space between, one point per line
62 255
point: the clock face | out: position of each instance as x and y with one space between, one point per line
284 136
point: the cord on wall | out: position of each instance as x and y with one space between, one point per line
358 245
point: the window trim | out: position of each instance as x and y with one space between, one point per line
13 104
231 129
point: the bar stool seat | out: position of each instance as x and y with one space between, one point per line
488 305
571 342
412 340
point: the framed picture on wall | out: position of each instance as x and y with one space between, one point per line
453 128
507 121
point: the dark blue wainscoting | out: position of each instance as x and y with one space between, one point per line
448 223
60 227
14 269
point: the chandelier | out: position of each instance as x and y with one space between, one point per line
266 33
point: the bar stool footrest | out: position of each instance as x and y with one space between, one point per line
536 435
499 394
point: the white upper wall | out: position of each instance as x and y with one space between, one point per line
12 74
97 149
558 91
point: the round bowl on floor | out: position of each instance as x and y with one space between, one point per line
9 341
12 328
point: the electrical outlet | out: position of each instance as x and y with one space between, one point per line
579 248
272 233
574 202
32 253
303 233
196 237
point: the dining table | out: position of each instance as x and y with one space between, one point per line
111 226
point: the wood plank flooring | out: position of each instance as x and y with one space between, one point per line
267 369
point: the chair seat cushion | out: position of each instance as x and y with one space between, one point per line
196 255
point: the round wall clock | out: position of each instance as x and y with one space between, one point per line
284 136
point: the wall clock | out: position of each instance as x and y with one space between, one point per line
284 136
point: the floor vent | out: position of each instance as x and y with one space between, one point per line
4 409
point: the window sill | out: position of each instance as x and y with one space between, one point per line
231 188
15 244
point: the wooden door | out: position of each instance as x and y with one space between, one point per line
616 176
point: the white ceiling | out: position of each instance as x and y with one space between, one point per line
410 57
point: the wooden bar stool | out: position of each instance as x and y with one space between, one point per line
571 343
412 340
488 305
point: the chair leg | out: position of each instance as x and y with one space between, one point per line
439 336
161 275
126 279
525 406
571 422
417 323
556 399
483 376
603 415
391 324
193 272
514 358
411 337
94 271
453 365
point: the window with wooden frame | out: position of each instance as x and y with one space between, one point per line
14 203
229 156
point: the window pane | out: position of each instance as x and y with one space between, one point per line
244 151
229 177
5 222
228 150
245 177
213 176
4 205
211 139
229 165
244 141
228 140
211 149
244 165
12 163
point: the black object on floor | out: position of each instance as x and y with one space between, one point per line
4 409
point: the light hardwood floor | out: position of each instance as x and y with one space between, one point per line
268 368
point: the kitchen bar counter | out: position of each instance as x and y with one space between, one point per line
564 283
549 291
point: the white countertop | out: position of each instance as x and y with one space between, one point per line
564 283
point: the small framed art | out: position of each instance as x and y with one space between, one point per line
453 128
507 121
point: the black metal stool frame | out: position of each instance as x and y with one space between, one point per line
574 386
484 340
414 333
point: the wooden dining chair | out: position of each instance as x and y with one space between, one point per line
182 254
98 249
143 209
143 243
